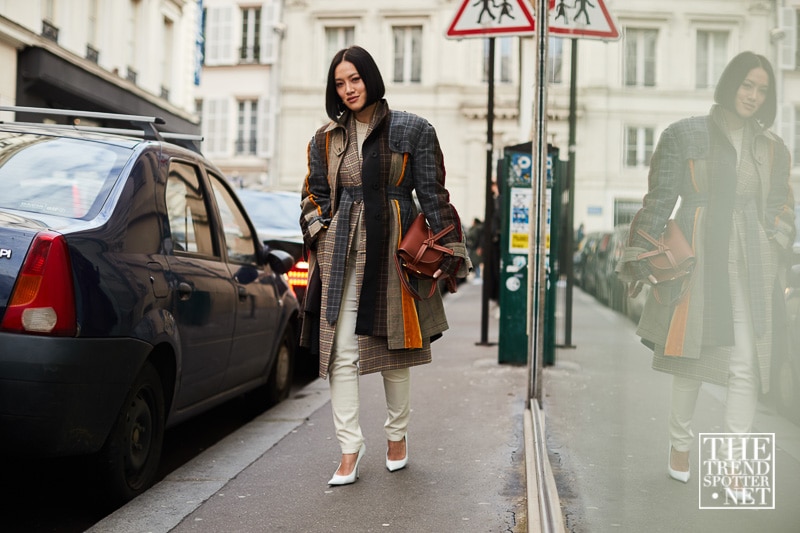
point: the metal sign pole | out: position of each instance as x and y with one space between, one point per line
487 249
536 240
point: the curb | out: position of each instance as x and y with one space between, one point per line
166 504
544 506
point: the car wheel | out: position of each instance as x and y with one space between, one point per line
282 373
130 458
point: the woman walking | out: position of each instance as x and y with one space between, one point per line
364 169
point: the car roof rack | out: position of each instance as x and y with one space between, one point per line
147 125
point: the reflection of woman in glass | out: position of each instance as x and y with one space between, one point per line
732 177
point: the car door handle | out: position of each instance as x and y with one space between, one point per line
184 291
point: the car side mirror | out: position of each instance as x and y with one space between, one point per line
279 261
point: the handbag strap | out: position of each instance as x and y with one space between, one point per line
404 280
661 248
430 242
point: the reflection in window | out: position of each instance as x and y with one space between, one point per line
640 57
407 54
238 237
62 177
338 37
555 54
249 51
502 59
247 127
712 52
186 209
638 146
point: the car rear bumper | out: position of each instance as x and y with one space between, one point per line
60 396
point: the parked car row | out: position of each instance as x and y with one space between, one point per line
135 293
594 264
786 363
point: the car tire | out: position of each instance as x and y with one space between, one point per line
130 458
281 374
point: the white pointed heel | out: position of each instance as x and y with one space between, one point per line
352 476
400 464
678 475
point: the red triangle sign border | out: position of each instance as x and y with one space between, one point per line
522 28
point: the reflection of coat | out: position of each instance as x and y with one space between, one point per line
401 154
696 161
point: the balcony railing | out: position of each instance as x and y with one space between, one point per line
49 31
250 54
92 53
131 75
165 92
245 146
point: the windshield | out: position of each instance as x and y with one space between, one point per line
57 176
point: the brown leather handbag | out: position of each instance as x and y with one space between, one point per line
672 260
419 255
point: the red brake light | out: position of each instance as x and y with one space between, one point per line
43 300
298 275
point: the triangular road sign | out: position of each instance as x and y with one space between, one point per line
480 18
583 18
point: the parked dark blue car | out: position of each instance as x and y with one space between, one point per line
134 294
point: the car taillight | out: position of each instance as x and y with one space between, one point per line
43 300
298 275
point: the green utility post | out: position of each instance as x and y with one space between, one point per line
516 196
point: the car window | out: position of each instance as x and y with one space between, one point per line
187 211
238 237
56 176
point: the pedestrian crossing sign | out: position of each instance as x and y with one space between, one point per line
578 19
584 18
482 18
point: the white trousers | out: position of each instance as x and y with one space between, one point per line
343 375
743 382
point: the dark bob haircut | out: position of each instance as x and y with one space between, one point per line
367 69
732 78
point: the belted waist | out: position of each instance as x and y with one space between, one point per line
350 194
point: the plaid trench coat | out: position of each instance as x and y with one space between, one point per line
696 162
401 155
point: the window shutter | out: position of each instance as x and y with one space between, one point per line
219 36
216 127
268 37
265 127
787 46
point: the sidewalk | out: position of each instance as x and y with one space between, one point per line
467 447
606 411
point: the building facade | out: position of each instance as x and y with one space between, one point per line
442 80
664 68
238 96
123 56
260 93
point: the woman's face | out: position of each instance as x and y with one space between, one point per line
350 87
752 92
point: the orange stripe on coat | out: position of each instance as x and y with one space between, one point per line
310 196
403 170
676 336
412 336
